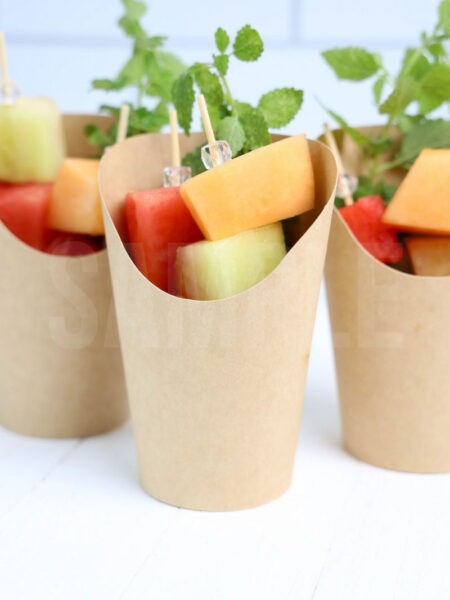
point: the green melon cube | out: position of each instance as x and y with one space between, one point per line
31 140
219 269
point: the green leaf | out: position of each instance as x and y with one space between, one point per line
132 28
221 63
134 69
437 82
222 39
143 120
208 83
355 64
183 99
255 127
419 64
194 160
378 87
403 94
280 106
367 187
97 137
217 113
444 16
110 84
134 9
155 41
428 102
358 137
162 70
231 130
248 44
428 134
437 50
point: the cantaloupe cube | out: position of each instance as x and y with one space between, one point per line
264 186
212 270
75 204
429 255
31 140
422 202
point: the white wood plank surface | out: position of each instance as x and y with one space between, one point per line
75 524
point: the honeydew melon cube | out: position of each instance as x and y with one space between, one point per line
213 270
32 142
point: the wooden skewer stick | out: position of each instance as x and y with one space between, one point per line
175 140
122 127
6 82
208 127
331 142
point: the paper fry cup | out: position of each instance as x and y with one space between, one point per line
215 388
391 334
61 371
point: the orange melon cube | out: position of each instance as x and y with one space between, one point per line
429 255
259 188
75 202
422 202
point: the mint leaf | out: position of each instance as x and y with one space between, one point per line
420 65
222 39
132 28
221 63
109 84
194 160
162 69
444 16
97 137
378 88
403 94
134 69
183 98
231 130
134 9
357 136
248 44
280 106
143 120
208 83
355 64
437 82
367 187
428 134
254 125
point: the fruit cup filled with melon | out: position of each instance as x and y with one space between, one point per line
215 313
61 373
388 287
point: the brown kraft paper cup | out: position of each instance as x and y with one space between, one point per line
391 333
215 388
61 371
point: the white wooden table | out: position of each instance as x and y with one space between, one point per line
74 524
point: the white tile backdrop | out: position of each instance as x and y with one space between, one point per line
57 46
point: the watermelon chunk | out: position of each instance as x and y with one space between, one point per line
158 223
364 219
61 243
23 210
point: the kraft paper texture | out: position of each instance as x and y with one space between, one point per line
391 334
215 388
61 371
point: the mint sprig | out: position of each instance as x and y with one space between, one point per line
405 99
244 126
149 73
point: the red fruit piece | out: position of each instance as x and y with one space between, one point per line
364 219
62 243
23 210
158 223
